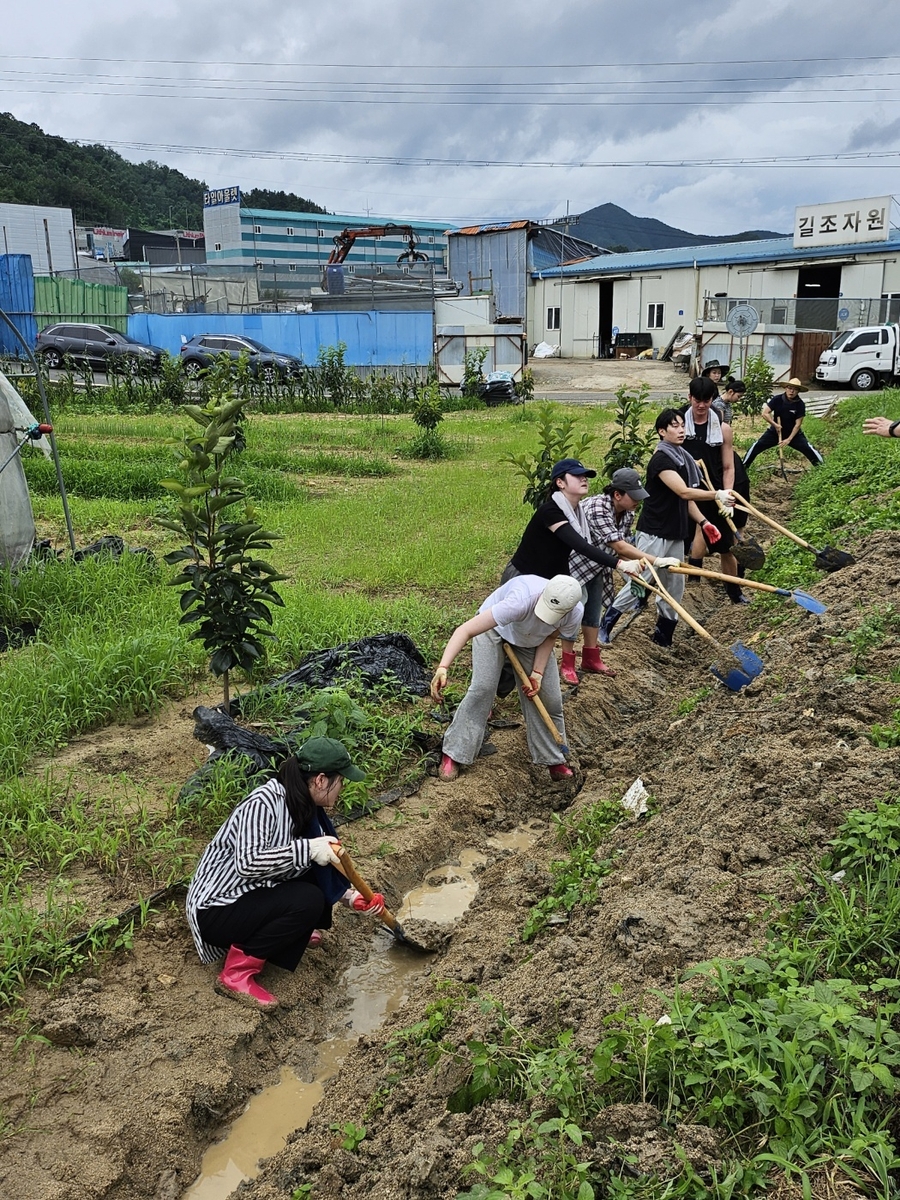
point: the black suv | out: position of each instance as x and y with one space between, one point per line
201 352
95 344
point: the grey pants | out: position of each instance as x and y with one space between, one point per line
463 739
674 584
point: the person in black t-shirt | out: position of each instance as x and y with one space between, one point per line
784 415
556 529
666 522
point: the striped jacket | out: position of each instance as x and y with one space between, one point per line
255 848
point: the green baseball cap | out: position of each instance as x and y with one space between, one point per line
330 756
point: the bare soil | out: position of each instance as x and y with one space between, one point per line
144 1062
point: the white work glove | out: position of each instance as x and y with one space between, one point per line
725 501
321 851
629 566
663 564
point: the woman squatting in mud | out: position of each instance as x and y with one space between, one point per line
267 882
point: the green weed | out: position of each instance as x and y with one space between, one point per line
687 704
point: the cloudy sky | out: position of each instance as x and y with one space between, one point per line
482 109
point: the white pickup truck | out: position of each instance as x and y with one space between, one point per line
865 358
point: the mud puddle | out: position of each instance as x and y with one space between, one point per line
376 988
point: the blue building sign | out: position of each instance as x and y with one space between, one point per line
217 196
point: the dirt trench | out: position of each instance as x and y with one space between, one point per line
146 1063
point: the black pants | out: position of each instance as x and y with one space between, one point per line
770 439
269 923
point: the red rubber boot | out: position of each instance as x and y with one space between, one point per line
238 980
567 670
593 663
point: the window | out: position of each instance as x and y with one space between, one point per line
431 239
656 316
553 318
290 231
863 339
292 266
217 246
257 228
320 233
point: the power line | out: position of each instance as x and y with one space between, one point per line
855 160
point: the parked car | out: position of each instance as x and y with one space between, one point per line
95 344
201 352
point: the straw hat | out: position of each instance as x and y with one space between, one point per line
795 383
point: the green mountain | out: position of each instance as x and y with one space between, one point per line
616 229
103 188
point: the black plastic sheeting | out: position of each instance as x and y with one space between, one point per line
382 659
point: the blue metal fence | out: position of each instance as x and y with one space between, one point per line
378 339
17 301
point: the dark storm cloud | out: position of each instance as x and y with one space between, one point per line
636 82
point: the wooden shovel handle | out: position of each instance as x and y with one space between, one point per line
706 574
350 873
682 612
774 524
535 700
709 484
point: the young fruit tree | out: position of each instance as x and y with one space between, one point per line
228 592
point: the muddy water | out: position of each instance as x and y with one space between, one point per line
376 988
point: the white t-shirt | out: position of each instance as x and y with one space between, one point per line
512 607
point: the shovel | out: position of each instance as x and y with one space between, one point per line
751 664
349 871
827 559
804 599
780 450
535 700
745 549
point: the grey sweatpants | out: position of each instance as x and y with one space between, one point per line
463 739
674 584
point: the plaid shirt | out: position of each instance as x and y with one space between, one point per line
605 527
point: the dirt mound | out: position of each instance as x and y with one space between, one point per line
143 1062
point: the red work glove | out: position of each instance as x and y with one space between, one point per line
373 906
535 679
710 532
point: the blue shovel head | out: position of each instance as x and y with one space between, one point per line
810 603
733 679
752 663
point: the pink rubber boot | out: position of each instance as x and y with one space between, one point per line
567 670
594 664
237 979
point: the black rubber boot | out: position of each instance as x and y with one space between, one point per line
695 562
664 632
734 594
606 625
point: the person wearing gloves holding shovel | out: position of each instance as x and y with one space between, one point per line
559 528
784 415
666 523
710 441
267 881
528 613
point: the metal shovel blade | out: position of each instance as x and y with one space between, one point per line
733 679
805 600
752 663
749 554
829 559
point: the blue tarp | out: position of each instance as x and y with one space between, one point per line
17 301
379 339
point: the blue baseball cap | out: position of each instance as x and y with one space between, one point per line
571 466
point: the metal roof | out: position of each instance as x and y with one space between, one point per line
718 254
495 227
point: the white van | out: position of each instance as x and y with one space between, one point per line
865 358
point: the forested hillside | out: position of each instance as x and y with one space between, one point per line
103 188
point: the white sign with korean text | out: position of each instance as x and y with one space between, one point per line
843 222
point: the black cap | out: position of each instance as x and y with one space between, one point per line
571 466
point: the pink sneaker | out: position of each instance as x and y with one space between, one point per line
561 771
448 770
